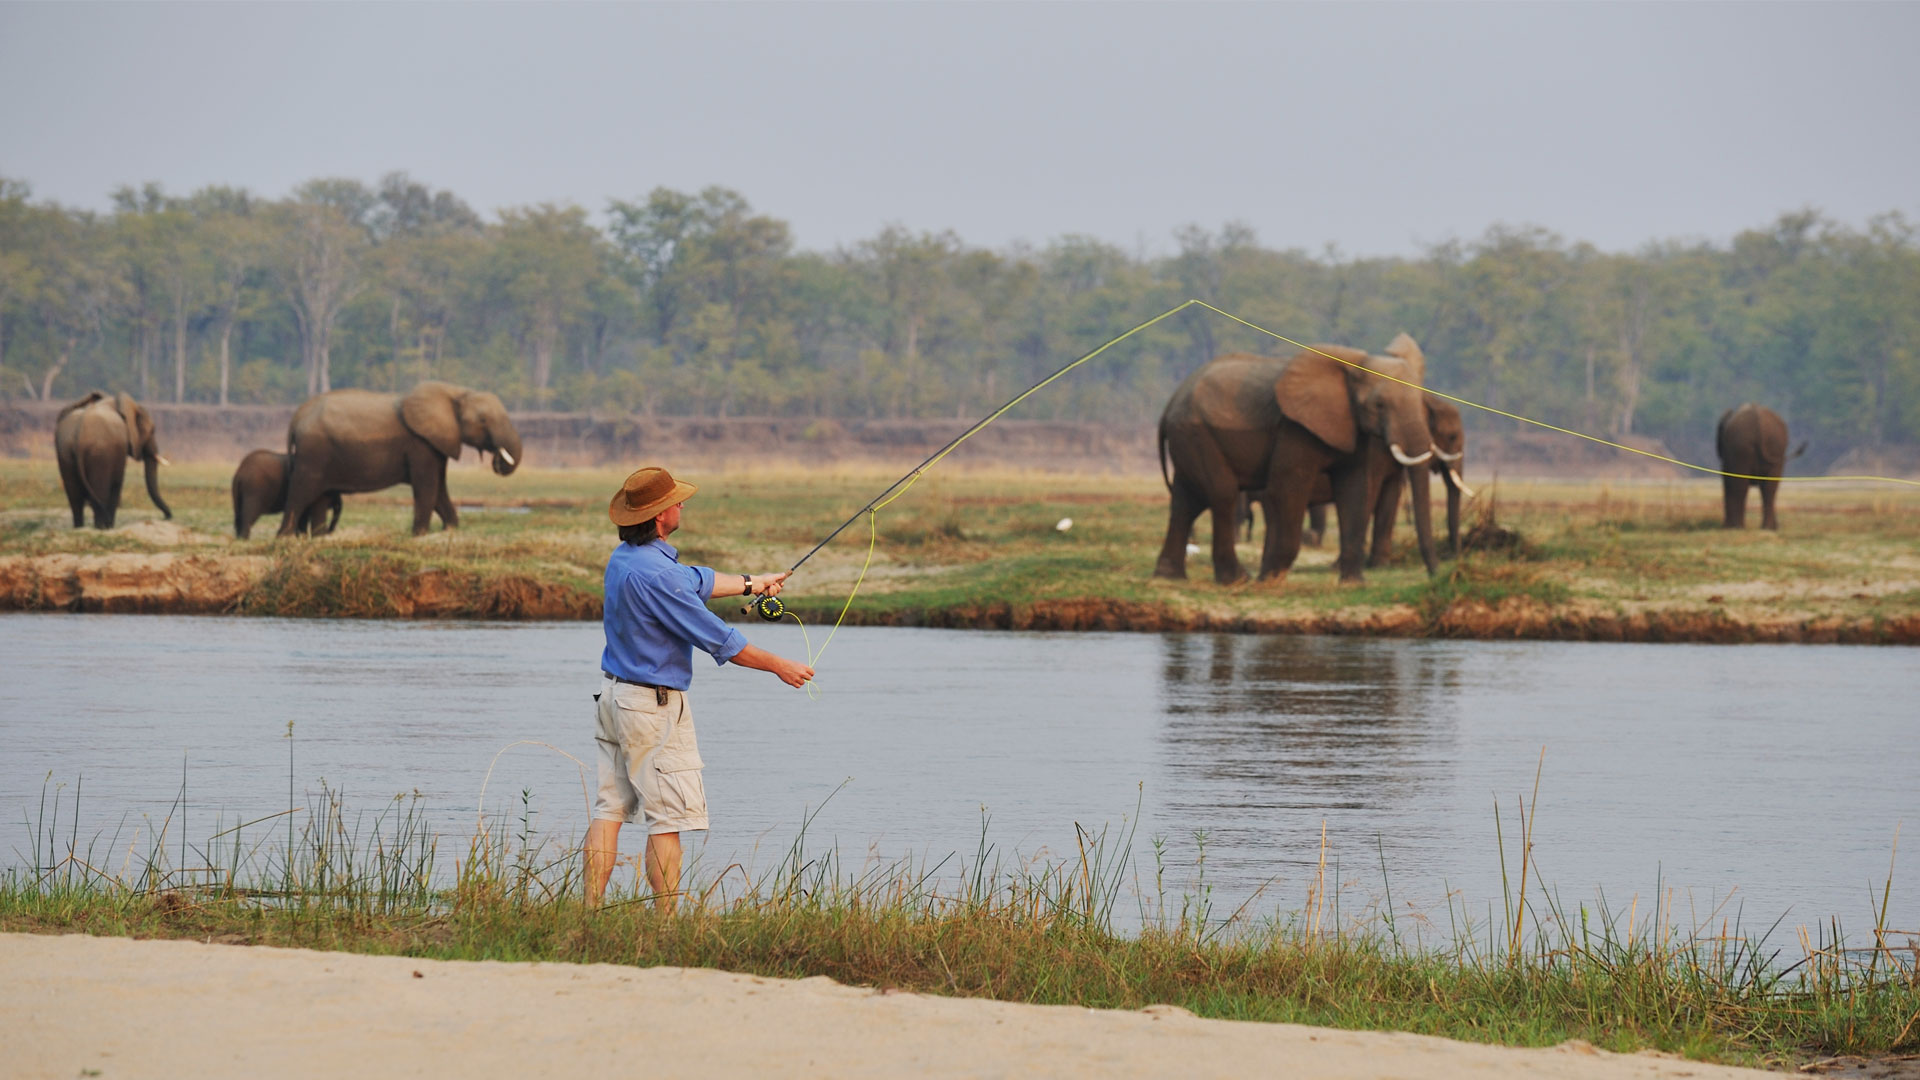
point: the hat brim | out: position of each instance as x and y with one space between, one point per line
623 515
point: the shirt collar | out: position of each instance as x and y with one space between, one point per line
664 548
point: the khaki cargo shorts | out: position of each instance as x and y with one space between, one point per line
649 760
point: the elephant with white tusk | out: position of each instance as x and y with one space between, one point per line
356 440
1449 461
1278 428
92 440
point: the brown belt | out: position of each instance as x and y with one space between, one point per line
659 692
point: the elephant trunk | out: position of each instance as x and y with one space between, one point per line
506 454
152 463
1420 482
1455 487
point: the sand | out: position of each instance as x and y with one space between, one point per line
112 1007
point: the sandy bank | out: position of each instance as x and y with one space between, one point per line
114 1007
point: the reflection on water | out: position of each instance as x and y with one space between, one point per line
1266 736
1778 770
1306 722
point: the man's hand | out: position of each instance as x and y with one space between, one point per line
791 672
770 584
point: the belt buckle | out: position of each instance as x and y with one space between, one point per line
660 696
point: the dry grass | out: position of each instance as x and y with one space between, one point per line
964 547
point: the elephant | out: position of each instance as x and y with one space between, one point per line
1752 441
358 440
92 440
1449 454
1273 427
260 488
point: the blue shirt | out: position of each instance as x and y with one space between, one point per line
656 612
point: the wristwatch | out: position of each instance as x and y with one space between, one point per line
747 580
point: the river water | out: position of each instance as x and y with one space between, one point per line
1772 777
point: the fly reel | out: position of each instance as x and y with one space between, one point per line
767 607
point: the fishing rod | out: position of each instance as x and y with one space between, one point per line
771 609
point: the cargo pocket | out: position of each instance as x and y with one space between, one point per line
680 750
677 759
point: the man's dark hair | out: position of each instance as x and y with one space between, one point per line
645 532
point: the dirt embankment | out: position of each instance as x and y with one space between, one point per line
295 586
1517 618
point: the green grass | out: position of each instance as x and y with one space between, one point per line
1538 973
980 548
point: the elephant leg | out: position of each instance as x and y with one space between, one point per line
76 492
1386 513
334 503
1226 561
1184 506
1316 524
1286 507
1735 492
1355 509
1767 490
105 512
304 487
426 475
449 514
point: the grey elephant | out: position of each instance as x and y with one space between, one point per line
357 440
92 440
1752 441
260 488
1449 463
1277 427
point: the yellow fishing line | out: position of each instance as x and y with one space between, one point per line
873 530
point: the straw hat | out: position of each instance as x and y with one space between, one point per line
646 493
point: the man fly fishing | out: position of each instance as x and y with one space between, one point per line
655 615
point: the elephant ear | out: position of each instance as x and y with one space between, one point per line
136 419
429 411
1408 349
1313 391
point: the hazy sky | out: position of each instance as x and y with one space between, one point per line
1374 127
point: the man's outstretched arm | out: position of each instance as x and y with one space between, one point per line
791 672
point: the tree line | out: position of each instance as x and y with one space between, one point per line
694 303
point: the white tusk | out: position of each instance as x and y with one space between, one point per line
162 458
504 454
1446 457
1459 483
1400 456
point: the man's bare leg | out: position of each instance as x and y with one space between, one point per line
602 851
663 869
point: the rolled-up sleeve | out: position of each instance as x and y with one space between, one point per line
678 600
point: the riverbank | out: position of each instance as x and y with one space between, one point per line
1626 561
187 1008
